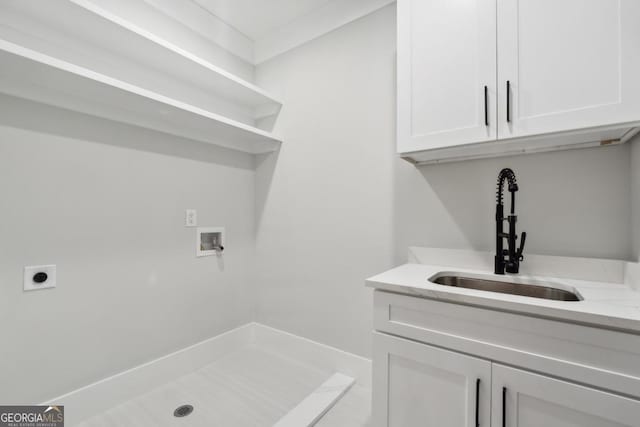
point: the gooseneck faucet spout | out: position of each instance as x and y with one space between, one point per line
512 263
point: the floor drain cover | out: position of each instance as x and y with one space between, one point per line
183 411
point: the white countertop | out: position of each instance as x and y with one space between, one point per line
605 304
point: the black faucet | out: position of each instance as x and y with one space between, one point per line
514 256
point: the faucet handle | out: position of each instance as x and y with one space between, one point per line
523 238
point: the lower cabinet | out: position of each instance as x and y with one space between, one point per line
531 400
416 384
419 385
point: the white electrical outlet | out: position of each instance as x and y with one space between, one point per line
191 218
38 277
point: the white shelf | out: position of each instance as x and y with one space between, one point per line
74 30
107 29
36 76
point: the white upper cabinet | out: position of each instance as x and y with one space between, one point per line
550 67
446 59
570 64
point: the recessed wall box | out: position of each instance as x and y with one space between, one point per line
209 241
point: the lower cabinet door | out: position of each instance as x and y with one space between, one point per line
419 385
524 399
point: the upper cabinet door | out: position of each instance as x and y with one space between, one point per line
532 400
569 64
446 59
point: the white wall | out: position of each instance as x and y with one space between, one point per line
105 203
336 205
635 197
571 203
325 212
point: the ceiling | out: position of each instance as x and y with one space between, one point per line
256 18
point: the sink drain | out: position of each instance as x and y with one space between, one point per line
183 411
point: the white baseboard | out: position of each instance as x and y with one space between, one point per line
109 392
